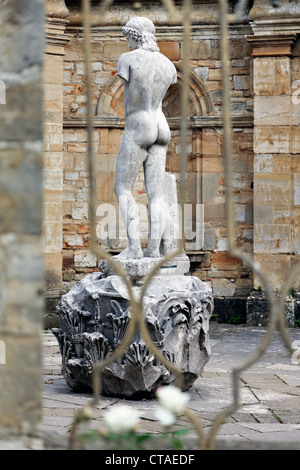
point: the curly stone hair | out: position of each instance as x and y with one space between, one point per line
142 30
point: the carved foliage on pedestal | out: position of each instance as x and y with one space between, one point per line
118 321
96 347
185 324
94 323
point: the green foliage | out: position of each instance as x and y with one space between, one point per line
136 441
292 292
236 320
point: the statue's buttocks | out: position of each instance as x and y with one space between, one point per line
147 75
148 128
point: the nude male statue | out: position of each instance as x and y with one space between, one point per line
147 75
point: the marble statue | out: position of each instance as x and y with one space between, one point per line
96 312
147 74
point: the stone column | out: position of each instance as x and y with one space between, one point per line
21 193
276 138
56 39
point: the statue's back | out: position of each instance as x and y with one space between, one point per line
149 76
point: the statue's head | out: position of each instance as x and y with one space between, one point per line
142 30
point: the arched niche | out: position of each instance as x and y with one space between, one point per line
110 105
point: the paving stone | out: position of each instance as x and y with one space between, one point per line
267 416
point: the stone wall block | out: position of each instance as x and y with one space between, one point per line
296 239
170 49
264 76
52 236
112 50
275 267
282 76
272 238
272 191
271 110
84 259
200 49
296 189
295 139
270 139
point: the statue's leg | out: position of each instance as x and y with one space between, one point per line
172 230
129 162
154 168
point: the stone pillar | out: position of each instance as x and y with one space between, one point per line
21 251
276 139
56 39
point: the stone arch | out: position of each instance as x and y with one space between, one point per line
200 101
110 104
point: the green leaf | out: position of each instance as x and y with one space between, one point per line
181 432
177 444
143 437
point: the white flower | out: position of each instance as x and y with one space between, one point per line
84 414
121 419
172 399
165 417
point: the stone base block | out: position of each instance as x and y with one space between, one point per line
139 268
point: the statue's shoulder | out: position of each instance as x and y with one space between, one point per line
169 66
124 57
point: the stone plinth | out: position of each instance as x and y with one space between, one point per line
95 315
139 268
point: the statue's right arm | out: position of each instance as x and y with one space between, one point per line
174 80
123 68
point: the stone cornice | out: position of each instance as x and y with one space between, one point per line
286 9
106 33
272 45
56 9
174 123
204 12
267 26
56 22
55 37
269 20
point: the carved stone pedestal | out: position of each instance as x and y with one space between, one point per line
95 315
